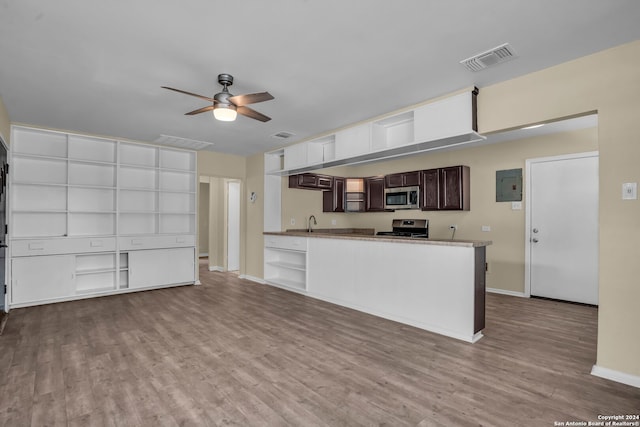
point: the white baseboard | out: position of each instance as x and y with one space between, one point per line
506 292
253 279
617 376
216 268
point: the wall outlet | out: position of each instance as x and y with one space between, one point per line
334 222
630 191
293 221
486 228
453 227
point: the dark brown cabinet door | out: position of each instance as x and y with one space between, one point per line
324 182
393 180
454 188
430 189
375 194
307 180
409 179
311 181
333 201
404 179
445 189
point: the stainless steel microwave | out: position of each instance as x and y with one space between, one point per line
402 198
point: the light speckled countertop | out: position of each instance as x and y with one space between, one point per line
368 234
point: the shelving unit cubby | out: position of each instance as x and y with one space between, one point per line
76 203
286 262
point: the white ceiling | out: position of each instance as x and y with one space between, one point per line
97 66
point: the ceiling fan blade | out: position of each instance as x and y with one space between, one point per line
206 98
251 98
199 110
249 112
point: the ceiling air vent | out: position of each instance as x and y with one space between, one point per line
189 144
282 135
491 57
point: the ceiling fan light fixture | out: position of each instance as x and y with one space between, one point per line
225 113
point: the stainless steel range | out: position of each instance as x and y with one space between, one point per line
418 228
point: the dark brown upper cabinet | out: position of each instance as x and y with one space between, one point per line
446 189
430 190
404 179
333 200
375 193
311 181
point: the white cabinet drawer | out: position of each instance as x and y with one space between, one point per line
33 247
286 242
152 242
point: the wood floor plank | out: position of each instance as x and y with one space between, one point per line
233 352
49 410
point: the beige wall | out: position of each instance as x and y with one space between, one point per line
221 165
255 217
506 255
5 123
203 218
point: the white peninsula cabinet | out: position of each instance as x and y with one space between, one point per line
93 216
436 285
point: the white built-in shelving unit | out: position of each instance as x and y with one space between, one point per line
285 260
88 213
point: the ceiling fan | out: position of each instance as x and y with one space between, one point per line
226 106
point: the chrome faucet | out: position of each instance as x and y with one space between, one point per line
309 229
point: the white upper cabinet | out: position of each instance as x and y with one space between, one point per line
321 150
448 117
295 156
353 141
443 123
394 131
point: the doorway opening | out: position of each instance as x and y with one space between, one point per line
219 223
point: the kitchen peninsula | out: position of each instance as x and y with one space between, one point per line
436 285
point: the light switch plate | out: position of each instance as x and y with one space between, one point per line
486 228
630 191
516 206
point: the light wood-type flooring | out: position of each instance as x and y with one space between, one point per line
233 352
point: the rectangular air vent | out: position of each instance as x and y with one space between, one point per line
283 135
186 143
489 58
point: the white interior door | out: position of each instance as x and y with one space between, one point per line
563 232
233 227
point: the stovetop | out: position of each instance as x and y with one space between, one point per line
414 228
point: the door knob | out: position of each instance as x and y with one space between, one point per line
535 230
534 240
